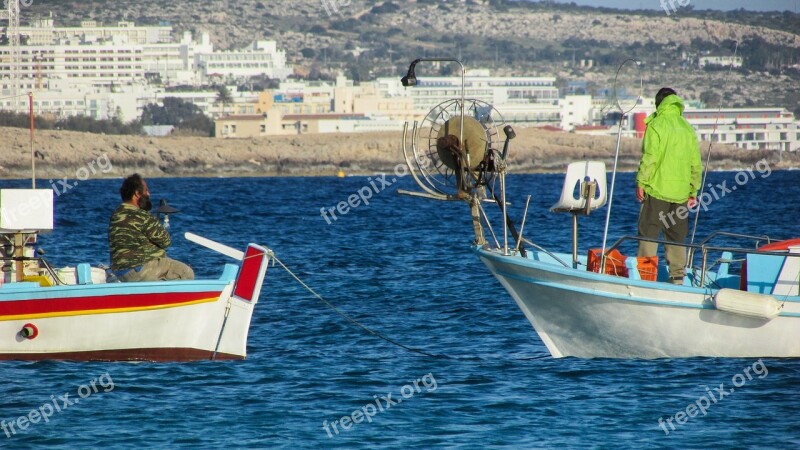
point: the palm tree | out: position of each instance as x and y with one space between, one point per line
224 97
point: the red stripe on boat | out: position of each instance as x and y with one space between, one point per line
100 302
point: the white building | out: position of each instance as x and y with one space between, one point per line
260 58
521 100
125 53
722 61
576 110
45 32
112 59
66 98
747 128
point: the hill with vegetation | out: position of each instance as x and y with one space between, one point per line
367 39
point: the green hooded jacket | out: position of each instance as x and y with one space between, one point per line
670 168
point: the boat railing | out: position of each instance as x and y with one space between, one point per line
39 259
706 249
757 239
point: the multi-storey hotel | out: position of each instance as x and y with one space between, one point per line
116 57
522 100
747 128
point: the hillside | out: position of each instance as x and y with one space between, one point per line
364 39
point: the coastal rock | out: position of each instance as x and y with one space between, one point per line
63 153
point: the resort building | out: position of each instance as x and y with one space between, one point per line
521 100
125 53
747 128
260 58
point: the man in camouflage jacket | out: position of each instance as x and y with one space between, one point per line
137 240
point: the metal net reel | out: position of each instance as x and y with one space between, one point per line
440 163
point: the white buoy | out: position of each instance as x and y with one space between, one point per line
748 304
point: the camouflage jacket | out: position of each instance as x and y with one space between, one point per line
135 237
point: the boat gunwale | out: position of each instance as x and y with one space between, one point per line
592 276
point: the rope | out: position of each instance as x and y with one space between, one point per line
367 329
350 319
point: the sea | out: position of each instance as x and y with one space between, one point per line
448 361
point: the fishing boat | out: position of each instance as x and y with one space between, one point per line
74 314
740 301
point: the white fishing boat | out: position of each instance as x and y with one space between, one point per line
74 314
740 301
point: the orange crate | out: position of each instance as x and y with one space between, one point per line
615 264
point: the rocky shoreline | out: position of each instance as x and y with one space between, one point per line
77 155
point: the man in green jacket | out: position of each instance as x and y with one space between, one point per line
137 240
669 176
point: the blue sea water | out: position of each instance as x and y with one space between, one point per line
403 267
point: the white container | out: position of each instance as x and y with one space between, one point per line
69 275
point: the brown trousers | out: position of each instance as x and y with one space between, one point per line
160 269
657 216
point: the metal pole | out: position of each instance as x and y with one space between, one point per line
505 212
522 227
33 155
611 197
575 241
463 105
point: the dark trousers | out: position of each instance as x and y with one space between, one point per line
657 216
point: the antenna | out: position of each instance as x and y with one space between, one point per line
708 158
624 109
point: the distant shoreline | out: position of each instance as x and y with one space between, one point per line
74 155
42 182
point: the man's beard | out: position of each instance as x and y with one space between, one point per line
145 203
